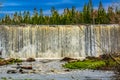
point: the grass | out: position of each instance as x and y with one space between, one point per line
89 64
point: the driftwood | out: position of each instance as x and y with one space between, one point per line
114 59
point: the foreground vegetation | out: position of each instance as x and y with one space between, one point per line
88 15
89 64
103 62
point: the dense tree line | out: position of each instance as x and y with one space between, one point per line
69 16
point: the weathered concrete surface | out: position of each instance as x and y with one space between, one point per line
58 41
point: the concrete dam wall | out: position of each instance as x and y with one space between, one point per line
58 41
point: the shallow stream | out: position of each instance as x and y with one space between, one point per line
53 70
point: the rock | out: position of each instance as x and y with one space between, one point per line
104 56
69 59
11 71
93 58
46 61
33 71
52 70
10 60
18 66
73 60
67 70
30 60
2 63
26 67
21 71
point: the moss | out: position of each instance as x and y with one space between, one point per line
88 64
9 61
12 61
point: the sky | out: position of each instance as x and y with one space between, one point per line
12 6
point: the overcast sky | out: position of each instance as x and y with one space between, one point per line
11 6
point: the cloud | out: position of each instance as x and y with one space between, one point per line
47 12
7 12
58 3
61 11
10 4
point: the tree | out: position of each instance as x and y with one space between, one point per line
73 15
20 17
111 15
55 16
26 17
117 15
65 16
35 18
94 16
7 19
46 20
102 16
86 14
41 17
15 18
70 16
90 11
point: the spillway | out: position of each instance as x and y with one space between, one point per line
48 41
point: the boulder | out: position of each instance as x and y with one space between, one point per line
67 59
30 60
26 67
67 70
11 71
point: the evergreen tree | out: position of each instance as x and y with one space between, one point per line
85 14
69 16
15 18
20 17
102 16
41 17
46 20
55 16
90 11
7 19
35 18
73 15
26 17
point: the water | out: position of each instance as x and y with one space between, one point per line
43 41
77 75
53 70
